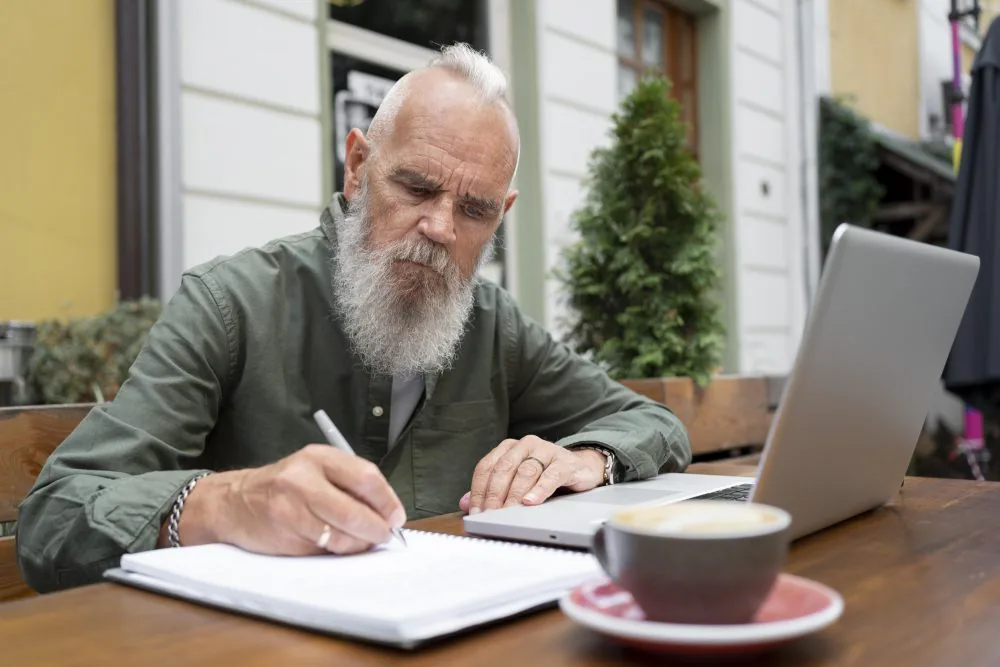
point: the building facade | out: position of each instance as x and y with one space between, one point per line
255 98
229 131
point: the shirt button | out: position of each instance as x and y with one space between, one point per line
377 411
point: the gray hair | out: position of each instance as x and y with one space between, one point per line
475 67
487 80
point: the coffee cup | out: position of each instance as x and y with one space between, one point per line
698 561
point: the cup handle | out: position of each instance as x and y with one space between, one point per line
597 546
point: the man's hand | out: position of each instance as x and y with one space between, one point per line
528 471
284 508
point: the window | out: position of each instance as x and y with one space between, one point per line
653 36
426 23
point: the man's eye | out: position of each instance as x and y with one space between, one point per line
418 190
474 211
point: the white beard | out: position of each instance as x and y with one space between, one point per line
399 326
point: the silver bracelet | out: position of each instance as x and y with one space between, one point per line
173 538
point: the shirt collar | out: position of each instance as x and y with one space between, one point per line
332 216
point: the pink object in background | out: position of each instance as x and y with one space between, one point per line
973 429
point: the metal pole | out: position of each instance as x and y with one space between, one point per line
957 121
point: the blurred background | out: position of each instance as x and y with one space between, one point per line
143 137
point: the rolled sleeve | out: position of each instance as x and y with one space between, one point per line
107 488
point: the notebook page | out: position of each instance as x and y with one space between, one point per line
436 576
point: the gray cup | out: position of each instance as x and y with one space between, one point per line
700 561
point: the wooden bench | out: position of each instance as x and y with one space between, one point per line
27 438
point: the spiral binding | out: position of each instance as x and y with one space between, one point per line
503 543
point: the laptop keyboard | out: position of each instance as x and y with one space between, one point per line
738 492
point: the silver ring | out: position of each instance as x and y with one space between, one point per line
537 460
324 537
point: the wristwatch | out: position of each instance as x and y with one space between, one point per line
610 461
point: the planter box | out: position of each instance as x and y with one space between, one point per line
732 412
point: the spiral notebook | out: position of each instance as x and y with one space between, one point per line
436 586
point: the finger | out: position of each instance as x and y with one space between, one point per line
507 467
463 503
328 539
481 476
343 544
296 531
559 473
528 472
344 512
363 480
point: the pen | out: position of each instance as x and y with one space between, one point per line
335 438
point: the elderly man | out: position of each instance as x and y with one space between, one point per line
437 380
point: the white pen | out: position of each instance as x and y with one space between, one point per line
335 438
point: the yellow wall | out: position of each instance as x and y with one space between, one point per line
989 13
874 56
968 56
57 158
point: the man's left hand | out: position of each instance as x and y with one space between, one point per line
528 471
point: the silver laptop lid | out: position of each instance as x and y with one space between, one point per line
874 347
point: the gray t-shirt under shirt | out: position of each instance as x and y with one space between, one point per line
406 393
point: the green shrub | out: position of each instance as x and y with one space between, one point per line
848 159
87 359
642 278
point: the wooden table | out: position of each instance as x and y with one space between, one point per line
920 579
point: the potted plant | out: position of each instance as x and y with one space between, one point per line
643 276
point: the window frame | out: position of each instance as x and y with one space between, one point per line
673 24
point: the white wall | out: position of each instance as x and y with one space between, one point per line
577 81
248 142
578 92
768 215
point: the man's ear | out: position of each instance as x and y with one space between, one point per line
358 150
511 196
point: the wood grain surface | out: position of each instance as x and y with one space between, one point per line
920 578
730 412
27 437
12 586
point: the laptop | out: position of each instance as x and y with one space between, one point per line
875 344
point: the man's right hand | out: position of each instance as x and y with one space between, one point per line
283 508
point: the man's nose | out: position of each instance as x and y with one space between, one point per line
438 223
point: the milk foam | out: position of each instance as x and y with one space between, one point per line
701 518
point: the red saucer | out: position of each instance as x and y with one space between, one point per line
796 607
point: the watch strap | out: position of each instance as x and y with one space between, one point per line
610 461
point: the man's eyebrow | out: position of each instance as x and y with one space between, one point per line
485 203
416 179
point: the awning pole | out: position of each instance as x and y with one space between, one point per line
957 97
972 442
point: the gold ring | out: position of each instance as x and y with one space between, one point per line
537 460
324 537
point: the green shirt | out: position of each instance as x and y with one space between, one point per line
249 348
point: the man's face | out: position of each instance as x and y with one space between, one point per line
423 212
442 177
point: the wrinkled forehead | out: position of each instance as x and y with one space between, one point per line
451 134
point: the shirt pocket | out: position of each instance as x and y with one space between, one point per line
459 417
448 441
